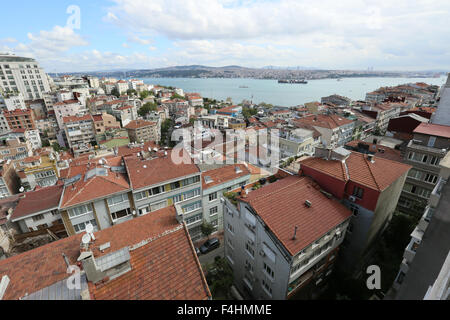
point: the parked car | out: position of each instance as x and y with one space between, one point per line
210 245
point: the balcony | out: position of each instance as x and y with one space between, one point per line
436 193
410 251
426 149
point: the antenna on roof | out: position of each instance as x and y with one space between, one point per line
85 240
295 233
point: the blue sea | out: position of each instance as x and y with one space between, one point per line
283 94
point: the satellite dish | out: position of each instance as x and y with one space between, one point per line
86 239
89 228
22 189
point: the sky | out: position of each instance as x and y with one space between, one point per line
70 36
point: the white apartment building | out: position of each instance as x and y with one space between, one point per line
12 102
80 132
67 108
34 138
24 75
282 240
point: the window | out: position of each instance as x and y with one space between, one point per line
194 219
191 194
434 160
177 198
175 185
155 190
38 217
249 250
84 209
358 192
141 195
230 228
158 205
267 288
268 271
430 178
415 174
215 223
213 211
82 226
121 214
431 141
213 196
117 199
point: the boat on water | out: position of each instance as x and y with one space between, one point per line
302 81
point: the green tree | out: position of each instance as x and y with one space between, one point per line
144 94
147 108
220 278
56 146
115 92
207 229
131 92
248 112
177 96
45 143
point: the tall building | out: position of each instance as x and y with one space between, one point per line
368 185
24 75
282 239
425 270
80 132
424 152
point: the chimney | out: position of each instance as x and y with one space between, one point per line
93 273
295 233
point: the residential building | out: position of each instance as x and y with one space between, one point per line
149 258
39 170
335 130
122 86
4 127
336 100
382 113
125 114
159 182
38 209
215 183
14 147
142 130
297 142
282 239
68 108
103 122
424 152
425 269
34 138
441 116
20 119
12 102
403 126
368 185
19 74
80 133
7 228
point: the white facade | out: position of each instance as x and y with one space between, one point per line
24 75
13 102
34 138
66 110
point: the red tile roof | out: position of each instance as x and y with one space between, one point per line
166 268
133 150
75 118
96 187
158 170
224 174
36 201
377 175
135 124
281 205
433 130
325 121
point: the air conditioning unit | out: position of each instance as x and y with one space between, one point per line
352 198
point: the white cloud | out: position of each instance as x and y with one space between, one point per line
136 39
329 33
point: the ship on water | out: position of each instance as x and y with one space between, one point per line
303 81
